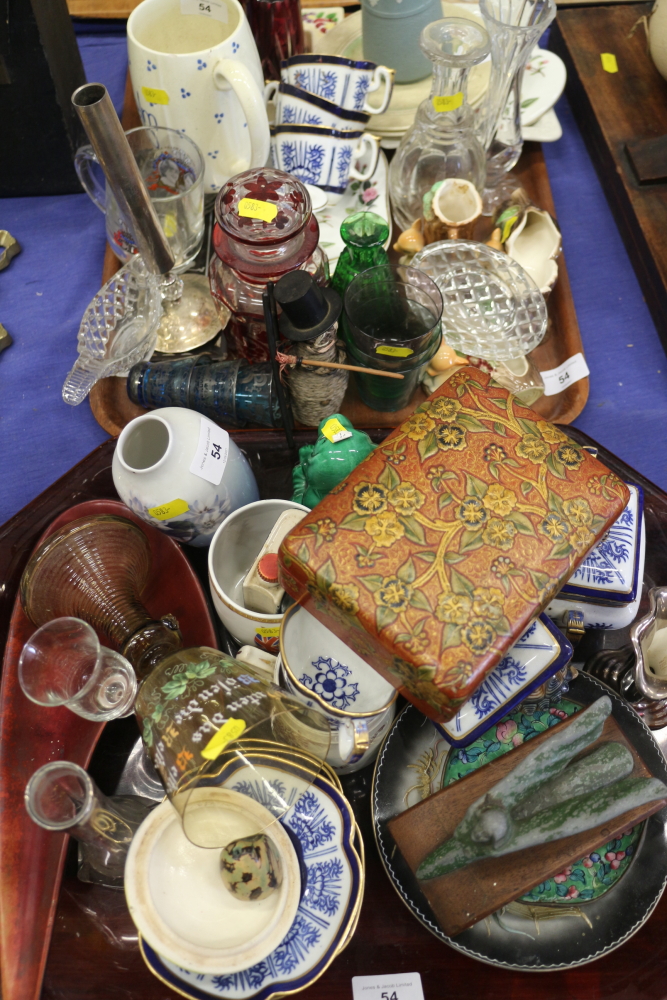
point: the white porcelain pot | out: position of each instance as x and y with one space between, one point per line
181 473
179 903
235 546
201 75
657 36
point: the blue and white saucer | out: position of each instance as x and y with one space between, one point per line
536 656
322 827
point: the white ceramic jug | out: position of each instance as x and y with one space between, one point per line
657 36
201 74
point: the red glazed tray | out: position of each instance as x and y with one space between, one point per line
32 859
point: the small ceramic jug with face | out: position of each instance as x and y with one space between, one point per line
200 73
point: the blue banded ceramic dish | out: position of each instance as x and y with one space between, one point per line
536 656
322 828
607 586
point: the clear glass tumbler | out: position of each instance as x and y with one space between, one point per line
63 663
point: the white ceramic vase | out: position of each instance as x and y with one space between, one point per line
657 36
181 473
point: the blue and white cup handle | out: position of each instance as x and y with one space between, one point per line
367 142
381 74
231 74
353 740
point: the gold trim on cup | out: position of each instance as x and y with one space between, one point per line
311 694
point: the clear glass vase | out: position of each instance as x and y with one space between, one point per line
442 142
514 27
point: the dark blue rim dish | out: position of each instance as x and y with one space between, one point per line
562 658
319 102
336 60
607 596
337 133
155 964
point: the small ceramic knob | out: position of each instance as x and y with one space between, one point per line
250 867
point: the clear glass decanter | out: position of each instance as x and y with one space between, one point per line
442 142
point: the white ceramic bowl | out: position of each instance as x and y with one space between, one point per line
234 547
179 903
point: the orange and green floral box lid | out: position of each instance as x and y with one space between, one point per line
436 552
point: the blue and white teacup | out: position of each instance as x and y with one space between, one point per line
342 81
318 668
325 157
295 106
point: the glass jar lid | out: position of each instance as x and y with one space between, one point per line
265 222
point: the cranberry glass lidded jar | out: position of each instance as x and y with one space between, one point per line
264 227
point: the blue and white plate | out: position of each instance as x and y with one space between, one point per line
536 656
322 828
606 586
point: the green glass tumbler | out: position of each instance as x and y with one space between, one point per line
387 394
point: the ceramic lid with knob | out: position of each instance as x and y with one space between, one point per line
265 224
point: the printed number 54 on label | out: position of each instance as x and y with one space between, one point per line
402 986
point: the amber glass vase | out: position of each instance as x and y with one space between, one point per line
95 568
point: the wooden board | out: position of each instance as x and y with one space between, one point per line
465 896
113 409
611 110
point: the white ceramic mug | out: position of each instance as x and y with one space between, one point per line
202 76
294 106
325 157
342 81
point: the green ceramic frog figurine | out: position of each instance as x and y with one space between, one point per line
250 867
338 450
548 796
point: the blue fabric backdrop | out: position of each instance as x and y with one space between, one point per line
46 289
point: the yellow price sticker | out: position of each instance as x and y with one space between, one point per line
609 64
228 732
155 96
251 208
450 103
269 633
334 431
171 509
395 352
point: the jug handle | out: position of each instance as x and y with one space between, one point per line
83 161
230 73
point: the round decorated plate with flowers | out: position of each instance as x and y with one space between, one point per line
588 909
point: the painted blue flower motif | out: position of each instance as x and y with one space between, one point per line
235 47
498 686
201 64
185 93
219 116
343 165
309 821
326 84
303 160
329 682
269 794
150 66
360 92
213 154
323 886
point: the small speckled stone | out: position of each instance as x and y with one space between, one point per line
250 867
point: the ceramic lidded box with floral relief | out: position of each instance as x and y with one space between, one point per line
433 556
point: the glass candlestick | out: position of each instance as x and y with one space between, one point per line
514 27
61 797
63 663
442 142
95 568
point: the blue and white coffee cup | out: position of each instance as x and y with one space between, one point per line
295 106
344 82
325 157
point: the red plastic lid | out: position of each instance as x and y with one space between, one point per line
268 567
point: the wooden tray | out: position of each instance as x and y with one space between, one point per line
93 956
465 896
113 409
611 110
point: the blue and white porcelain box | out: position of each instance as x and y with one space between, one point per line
536 656
607 586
